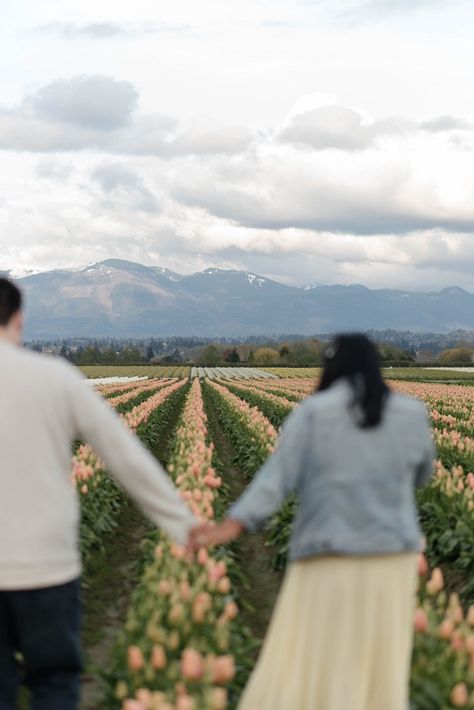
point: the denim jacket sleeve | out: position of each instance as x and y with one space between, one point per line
428 453
278 477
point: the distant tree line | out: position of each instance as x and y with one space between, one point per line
393 348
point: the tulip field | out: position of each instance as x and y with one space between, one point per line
185 642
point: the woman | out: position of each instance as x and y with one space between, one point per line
341 634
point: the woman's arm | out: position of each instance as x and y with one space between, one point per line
425 468
278 477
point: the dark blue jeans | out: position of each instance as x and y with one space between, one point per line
43 626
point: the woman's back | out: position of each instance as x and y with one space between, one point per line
355 485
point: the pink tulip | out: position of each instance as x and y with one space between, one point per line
202 556
130 704
158 658
445 629
436 582
218 699
459 695
217 571
176 614
223 669
422 565
144 696
457 641
185 702
192 665
469 644
223 585
164 587
231 610
135 658
421 620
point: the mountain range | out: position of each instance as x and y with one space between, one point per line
117 298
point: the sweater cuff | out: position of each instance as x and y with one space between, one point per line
237 513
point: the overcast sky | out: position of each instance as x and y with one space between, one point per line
325 141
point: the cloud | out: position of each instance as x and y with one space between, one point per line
446 123
124 187
109 30
54 170
343 128
365 193
329 127
99 113
210 137
379 9
92 102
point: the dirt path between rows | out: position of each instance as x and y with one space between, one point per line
258 589
111 578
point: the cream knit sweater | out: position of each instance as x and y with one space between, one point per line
44 406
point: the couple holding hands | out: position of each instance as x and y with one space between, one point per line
352 453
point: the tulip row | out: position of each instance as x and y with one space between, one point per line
264 393
100 498
149 386
251 433
253 438
175 651
140 413
443 657
110 390
275 408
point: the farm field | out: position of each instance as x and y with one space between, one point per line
96 371
418 374
186 633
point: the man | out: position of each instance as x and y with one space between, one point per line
44 406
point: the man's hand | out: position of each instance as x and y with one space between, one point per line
207 535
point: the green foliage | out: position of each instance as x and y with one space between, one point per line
266 356
274 412
457 356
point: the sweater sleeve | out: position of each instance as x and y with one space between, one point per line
278 477
129 462
425 467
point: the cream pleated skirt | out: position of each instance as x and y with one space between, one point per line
340 637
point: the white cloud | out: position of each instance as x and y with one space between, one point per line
91 102
99 113
329 127
109 29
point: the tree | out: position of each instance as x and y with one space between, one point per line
209 356
266 356
457 355
150 353
391 353
231 355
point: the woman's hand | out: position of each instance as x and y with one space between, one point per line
207 535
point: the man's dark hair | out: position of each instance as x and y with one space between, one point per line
354 357
10 300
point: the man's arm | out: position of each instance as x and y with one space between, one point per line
129 461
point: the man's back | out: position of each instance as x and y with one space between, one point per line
38 507
45 405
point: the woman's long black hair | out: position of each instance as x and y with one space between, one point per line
354 357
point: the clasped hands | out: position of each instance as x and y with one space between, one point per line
209 535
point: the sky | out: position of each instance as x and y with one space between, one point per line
311 141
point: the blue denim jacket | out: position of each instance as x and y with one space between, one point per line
355 487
